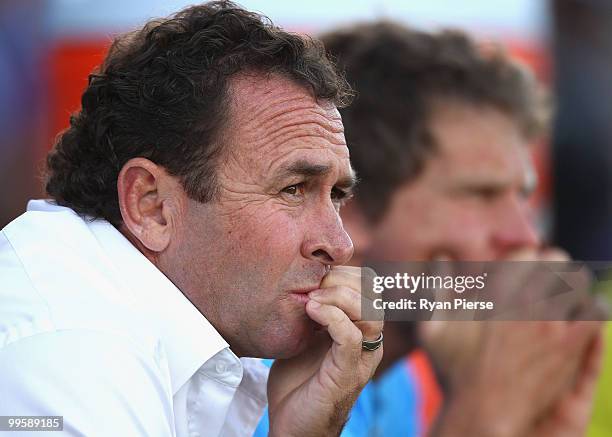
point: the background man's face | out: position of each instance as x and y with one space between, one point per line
275 229
470 201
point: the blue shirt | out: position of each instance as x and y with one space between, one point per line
401 403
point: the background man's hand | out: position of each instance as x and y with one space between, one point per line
529 378
570 415
521 379
312 393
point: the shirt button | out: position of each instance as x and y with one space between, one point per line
220 367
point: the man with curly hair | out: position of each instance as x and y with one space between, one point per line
193 224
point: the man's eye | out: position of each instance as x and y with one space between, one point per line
294 190
340 197
487 193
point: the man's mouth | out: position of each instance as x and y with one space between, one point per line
301 294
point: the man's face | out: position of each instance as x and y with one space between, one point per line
274 231
470 201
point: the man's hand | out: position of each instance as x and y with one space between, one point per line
312 394
529 378
518 375
570 415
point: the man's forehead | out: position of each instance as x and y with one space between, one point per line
259 95
515 170
276 121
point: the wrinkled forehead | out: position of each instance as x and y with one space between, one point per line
260 91
272 117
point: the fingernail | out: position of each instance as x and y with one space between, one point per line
314 293
314 304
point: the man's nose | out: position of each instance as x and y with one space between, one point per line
326 241
515 228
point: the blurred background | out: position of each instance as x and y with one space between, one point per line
48 47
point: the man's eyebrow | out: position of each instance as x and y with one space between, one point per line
304 168
311 169
347 183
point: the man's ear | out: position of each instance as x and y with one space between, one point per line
146 193
357 226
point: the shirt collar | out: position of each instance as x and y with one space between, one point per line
188 338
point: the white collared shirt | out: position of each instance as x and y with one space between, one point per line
92 331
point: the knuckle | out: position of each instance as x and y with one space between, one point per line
352 295
328 280
370 330
554 254
350 270
335 277
337 316
379 325
355 336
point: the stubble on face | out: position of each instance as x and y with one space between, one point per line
246 251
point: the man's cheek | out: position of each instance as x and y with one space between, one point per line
469 244
271 234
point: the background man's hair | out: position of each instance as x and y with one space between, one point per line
400 75
162 93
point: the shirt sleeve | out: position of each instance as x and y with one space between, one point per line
99 382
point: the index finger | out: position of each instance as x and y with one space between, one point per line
360 279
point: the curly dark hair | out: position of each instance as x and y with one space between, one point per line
399 75
162 93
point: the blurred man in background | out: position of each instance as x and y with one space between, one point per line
439 137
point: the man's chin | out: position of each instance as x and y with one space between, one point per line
292 342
